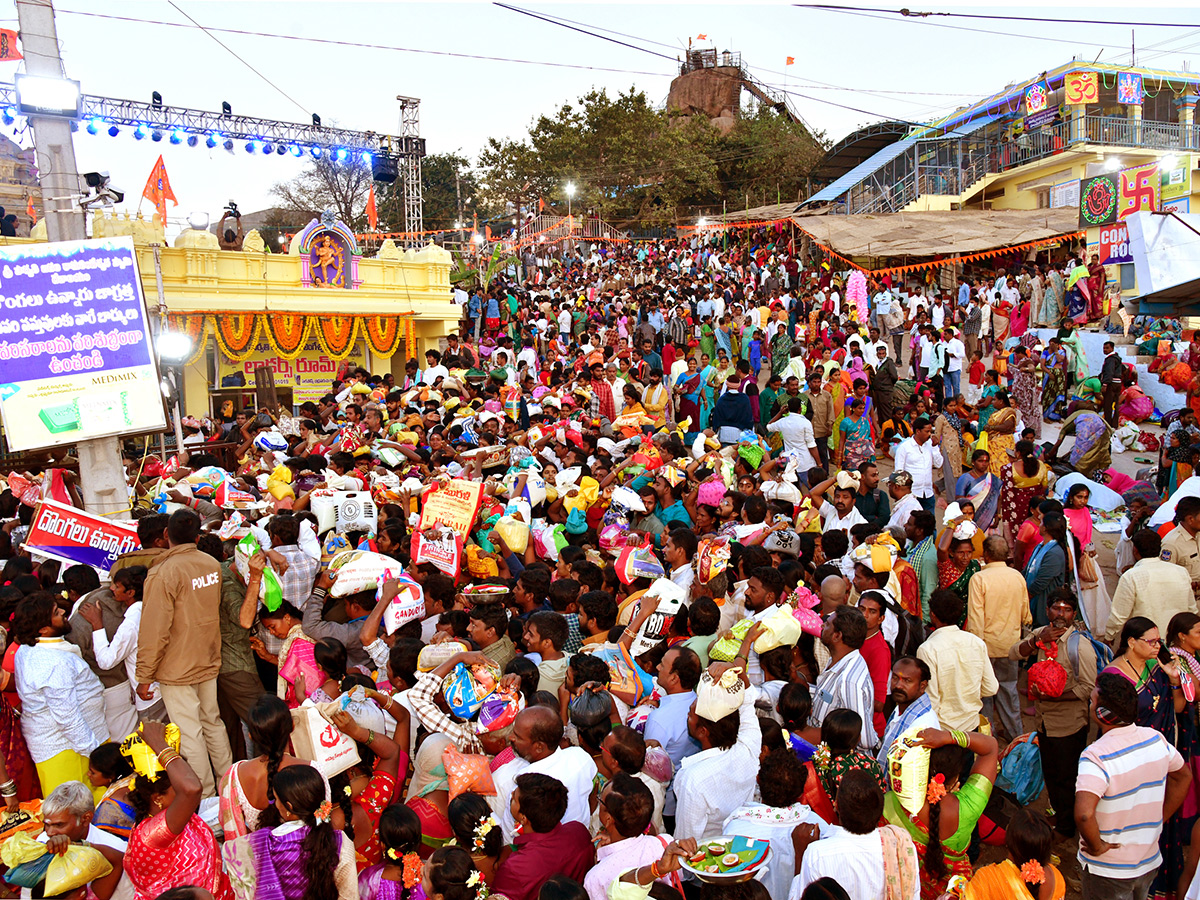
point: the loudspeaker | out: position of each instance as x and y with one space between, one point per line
384 168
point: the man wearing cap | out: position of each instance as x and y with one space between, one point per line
900 490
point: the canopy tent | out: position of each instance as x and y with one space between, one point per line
758 215
904 236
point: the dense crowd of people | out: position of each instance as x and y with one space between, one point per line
682 606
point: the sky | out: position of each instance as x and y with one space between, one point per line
850 69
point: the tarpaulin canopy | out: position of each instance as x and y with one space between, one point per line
940 233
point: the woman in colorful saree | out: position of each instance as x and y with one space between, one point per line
302 857
941 820
1001 426
688 387
981 488
1052 300
1027 874
1022 480
246 789
170 845
108 769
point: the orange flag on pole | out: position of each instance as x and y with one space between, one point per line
158 190
791 61
372 215
702 37
33 217
8 45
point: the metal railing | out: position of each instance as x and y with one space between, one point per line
958 164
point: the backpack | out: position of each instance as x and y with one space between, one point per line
1104 654
1021 769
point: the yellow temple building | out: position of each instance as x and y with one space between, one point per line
301 314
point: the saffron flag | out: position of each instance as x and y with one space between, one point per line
702 37
8 45
158 189
791 61
33 217
372 215
541 204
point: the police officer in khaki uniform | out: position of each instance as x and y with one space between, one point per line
1182 544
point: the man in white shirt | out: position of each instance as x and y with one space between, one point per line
854 855
537 733
679 551
711 784
842 514
917 456
67 814
797 433
956 352
900 490
434 370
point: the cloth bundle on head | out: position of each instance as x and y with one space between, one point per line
587 494
848 481
965 530
638 562
673 475
142 759
717 699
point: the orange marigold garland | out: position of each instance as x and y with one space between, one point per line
937 789
383 334
286 333
336 335
1032 872
195 326
237 333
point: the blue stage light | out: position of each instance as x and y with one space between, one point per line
94 125
113 130
139 132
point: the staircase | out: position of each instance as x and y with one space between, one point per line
545 229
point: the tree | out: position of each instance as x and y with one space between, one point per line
442 193
329 184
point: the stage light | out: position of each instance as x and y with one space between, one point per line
211 141
176 136
139 132
94 125
9 115
251 146
48 96
341 155
113 130
280 150
366 157
316 152
192 140
295 150
156 99
156 135
268 148
316 121
226 109
228 145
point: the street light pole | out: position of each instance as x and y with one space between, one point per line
101 475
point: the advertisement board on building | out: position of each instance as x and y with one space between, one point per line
76 358
1113 246
1176 181
1065 195
310 375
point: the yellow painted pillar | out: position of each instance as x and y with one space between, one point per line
1134 113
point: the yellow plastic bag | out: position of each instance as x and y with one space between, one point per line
779 628
20 848
908 770
982 443
514 532
78 866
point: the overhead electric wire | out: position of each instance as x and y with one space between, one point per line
913 14
602 37
359 45
234 54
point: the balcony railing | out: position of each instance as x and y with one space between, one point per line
958 164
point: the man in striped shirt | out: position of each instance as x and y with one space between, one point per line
846 682
1130 781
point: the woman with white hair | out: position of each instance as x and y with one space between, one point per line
66 820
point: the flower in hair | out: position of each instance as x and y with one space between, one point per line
348 791
324 812
1032 872
822 757
482 830
476 881
412 870
937 789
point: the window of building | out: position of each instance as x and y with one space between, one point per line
1128 279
